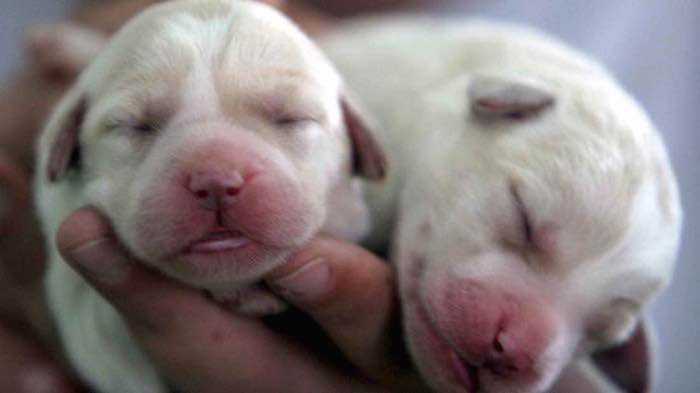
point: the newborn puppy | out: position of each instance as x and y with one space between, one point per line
216 138
538 214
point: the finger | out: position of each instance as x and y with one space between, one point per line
583 377
25 367
350 293
14 192
21 251
312 20
275 3
196 345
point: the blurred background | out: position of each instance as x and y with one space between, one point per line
653 47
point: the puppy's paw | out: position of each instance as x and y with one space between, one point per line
253 301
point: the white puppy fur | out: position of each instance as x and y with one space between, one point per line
216 138
538 213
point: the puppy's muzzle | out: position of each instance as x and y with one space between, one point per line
498 330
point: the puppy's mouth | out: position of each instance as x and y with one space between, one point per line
462 372
462 376
217 241
466 373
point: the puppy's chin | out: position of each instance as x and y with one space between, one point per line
208 256
218 264
435 359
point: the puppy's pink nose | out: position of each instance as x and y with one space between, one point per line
496 329
507 356
215 190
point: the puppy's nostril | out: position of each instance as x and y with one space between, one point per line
498 346
213 189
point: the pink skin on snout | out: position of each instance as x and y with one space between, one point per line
484 334
225 209
218 192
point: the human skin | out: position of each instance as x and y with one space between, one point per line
345 289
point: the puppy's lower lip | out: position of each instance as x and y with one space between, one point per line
466 374
463 373
219 241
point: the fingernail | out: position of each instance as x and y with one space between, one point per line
102 260
308 283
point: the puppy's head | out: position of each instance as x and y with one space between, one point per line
212 134
541 220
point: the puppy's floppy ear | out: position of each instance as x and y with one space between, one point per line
368 157
631 365
62 132
493 98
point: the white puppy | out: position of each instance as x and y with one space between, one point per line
216 138
537 212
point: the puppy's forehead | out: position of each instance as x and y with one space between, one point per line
590 169
239 42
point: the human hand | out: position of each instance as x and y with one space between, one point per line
199 346
28 360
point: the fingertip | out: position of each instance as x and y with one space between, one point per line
86 241
324 247
348 291
311 283
328 271
83 226
308 277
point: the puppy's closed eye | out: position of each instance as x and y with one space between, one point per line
292 112
129 125
149 120
525 234
294 121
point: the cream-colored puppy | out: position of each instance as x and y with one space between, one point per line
537 212
216 138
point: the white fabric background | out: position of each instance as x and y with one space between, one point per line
654 49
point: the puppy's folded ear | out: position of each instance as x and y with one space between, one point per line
494 98
368 157
630 366
61 136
